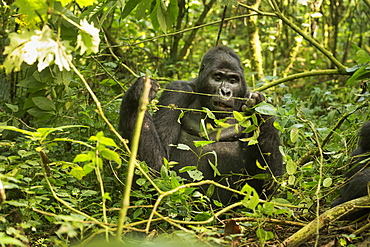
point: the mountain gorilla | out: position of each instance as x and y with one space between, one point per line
220 85
358 174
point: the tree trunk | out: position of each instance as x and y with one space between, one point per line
254 41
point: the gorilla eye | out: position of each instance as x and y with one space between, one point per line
233 80
217 77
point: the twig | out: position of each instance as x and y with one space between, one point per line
270 220
302 75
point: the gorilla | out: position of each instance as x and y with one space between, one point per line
358 174
221 88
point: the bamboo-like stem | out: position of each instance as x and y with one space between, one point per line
102 191
143 102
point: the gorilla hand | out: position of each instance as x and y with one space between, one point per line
138 87
253 98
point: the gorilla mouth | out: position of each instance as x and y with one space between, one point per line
222 105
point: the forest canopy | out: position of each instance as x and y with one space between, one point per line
65 65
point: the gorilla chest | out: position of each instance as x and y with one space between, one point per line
228 156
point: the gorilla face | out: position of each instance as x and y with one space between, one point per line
224 85
221 76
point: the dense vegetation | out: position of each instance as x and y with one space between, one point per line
65 65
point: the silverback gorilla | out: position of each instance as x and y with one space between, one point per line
358 174
220 85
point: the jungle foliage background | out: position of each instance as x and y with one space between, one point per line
66 64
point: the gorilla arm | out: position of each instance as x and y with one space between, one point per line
150 147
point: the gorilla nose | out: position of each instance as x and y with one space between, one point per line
225 92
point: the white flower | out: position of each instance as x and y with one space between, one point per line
88 38
35 46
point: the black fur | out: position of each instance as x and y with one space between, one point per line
221 75
358 174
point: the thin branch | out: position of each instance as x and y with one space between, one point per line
302 75
96 100
270 220
195 27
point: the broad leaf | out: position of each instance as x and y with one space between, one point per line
266 109
44 103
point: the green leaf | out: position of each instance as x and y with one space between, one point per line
77 172
84 3
216 172
154 18
294 135
183 147
89 167
13 108
327 182
251 200
291 179
187 168
362 57
137 212
264 235
82 158
88 193
164 173
141 10
129 7
33 9
111 155
360 74
278 126
203 129
268 208
246 123
266 109
9 241
209 113
175 183
258 164
238 116
196 175
36 112
202 143
161 16
141 181
210 190
291 167
173 11
103 140
44 103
